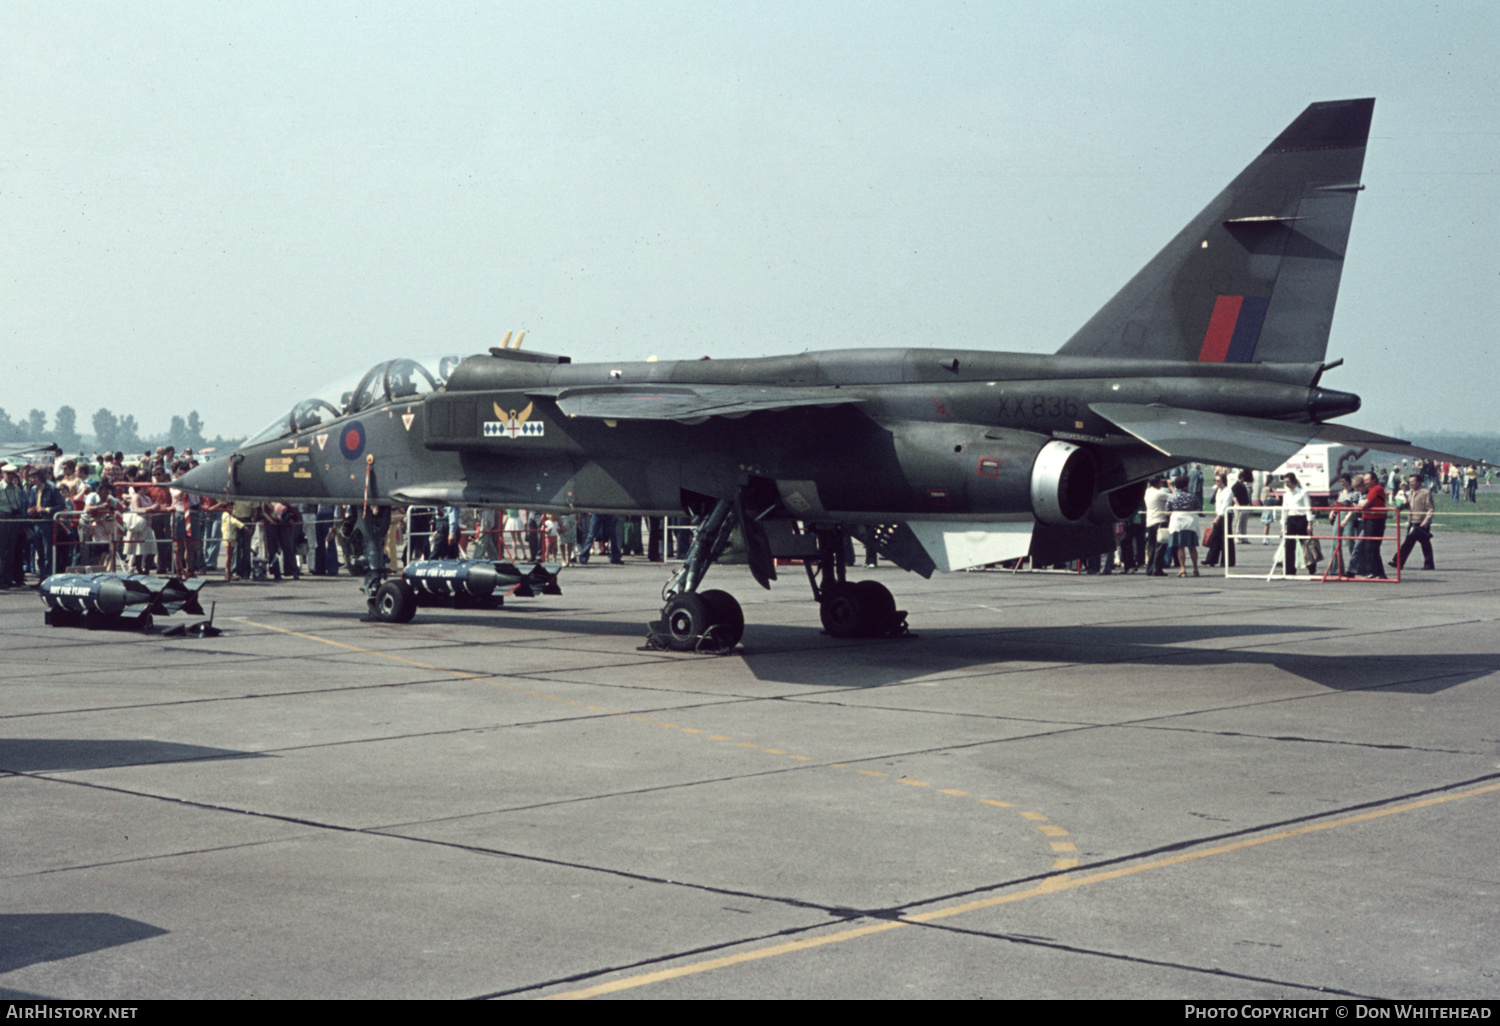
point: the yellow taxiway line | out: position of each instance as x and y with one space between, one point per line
1051 885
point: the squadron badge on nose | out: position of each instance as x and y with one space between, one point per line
513 424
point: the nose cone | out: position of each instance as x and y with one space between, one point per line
1324 403
208 479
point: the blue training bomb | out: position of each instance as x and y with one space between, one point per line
105 599
460 583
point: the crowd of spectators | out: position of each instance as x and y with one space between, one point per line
113 513
1353 517
123 514
116 513
275 540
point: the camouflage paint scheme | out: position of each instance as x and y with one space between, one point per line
1214 351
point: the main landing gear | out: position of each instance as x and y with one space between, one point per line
850 609
712 621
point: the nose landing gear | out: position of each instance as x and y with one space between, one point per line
700 621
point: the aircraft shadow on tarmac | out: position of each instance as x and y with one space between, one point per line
50 755
794 654
29 938
782 654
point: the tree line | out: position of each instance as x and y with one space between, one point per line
1474 446
111 432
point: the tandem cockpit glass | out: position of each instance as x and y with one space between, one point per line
398 380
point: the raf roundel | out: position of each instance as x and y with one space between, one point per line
352 440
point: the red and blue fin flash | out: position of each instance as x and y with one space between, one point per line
1233 329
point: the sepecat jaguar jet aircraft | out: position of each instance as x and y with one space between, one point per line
940 458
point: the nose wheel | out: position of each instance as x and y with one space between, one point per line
694 621
393 602
700 621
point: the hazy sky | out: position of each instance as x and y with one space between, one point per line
221 207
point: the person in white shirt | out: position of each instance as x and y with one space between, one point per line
1223 503
1296 507
1156 522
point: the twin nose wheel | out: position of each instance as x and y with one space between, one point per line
697 620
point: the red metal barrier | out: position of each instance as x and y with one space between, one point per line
1341 559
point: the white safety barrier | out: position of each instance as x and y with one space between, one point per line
1331 550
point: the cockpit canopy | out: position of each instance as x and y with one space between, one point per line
393 381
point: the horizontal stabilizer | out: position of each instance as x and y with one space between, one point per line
1244 441
1210 437
1339 434
690 402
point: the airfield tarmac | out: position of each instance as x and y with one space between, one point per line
1063 786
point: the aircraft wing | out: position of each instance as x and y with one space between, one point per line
691 402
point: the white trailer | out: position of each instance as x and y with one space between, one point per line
1319 465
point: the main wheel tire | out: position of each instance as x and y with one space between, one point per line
879 606
727 615
394 602
685 618
843 611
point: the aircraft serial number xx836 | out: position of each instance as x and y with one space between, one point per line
940 458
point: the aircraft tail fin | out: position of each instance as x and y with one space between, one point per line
1254 277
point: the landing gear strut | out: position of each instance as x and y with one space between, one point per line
700 621
712 621
388 601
